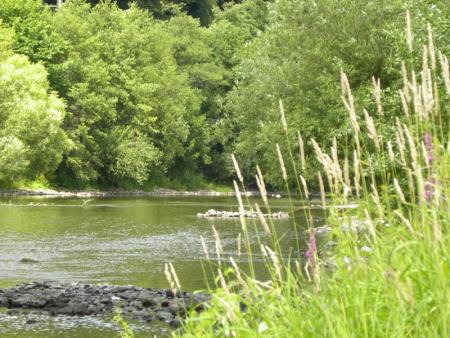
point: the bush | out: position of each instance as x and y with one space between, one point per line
32 141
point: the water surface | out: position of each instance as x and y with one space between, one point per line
119 241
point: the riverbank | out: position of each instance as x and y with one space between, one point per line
118 192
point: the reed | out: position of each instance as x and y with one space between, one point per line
391 264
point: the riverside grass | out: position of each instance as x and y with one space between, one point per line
392 277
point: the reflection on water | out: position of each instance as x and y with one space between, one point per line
119 240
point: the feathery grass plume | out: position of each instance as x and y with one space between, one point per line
218 244
223 284
399 191
419 108
431 49
302 150
319 152
263 250
283 117
406 84
357 177
175 276
172 277
328 166
281 161
261 185
376 198
377 94
239 244
409 34
241 208
372 130
405 221
411 186
305 186
404 103
390 152
266 285
426 89
239 197
445 71
401 146
400 142
237 169
169 277
262 219
205 248
239 277
275 262
347 181
412 148
322 190
297 267
337 172
371 226
349 102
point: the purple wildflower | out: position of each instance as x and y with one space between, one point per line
312 248
429 147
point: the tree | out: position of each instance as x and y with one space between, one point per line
120 78
299 59
32 141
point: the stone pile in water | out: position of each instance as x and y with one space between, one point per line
245 213
77 299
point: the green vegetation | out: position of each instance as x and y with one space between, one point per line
387 273
142 96
147 94
161 93
32 141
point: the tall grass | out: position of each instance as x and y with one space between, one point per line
391 263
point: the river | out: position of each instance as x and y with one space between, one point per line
118 241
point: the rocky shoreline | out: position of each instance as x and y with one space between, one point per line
79 299
212 213
117 193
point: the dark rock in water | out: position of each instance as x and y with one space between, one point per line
3 301
148 302
76 299
175 323
28 260
147 318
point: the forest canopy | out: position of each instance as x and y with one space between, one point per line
144 93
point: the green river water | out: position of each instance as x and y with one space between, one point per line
119 241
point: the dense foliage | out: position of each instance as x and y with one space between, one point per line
299 60
381 265
147 93
32 140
